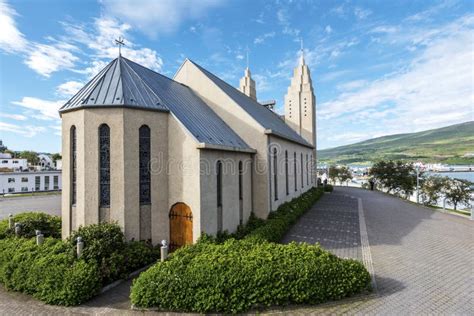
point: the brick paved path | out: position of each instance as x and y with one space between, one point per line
423 260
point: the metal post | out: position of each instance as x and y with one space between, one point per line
39 238
164 250
10 221
80 246
417 184
17 229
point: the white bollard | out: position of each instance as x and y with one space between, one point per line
10 221
164 250
39 238
17 229
80 247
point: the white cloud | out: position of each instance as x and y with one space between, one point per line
11 39
351 85
26 131
361 13
43 109
69 88
17 117
46 59
284 20
155 17
328 29
100 39
261 39
435 88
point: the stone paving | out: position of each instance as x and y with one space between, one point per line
423 261
333 222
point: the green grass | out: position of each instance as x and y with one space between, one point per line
443 145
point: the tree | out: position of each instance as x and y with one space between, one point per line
333 173
457 191
432 189
56 156
395 176
344 174
31 156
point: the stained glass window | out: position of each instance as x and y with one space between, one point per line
275 172
294 164
286 173
302 168
144 162
73 165
104 165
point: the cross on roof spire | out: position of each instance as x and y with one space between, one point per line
119 42
302 52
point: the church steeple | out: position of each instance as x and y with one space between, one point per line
247 85
300 102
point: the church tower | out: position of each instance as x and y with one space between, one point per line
300 103
247 85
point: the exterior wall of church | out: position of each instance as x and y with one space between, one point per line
124 172
183 171
231 213
304 181
241 122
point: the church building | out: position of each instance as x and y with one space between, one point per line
172 158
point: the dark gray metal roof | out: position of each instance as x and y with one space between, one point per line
124 83
264 116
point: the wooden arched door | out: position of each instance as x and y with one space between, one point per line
181 226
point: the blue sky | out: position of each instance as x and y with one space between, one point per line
378 67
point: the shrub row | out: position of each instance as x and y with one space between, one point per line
232 273
49 225
52 273
49 272
239 275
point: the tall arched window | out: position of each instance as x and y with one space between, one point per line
219 195
286 173
275 172
104 165
73 159
311 170
241 194
240 181
302 172
294 165
307 170
144 151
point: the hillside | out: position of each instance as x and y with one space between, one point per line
447 145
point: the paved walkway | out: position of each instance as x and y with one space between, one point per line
50 204
423 260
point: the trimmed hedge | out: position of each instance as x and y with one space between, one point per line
49 225
49 272
52 273
228 275
241 274
328 188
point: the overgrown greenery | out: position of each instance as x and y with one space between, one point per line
233 273
49 225
53 273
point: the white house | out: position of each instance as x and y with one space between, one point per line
37 181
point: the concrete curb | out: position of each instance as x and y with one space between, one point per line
364 240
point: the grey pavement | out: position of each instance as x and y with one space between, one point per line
423 260
50 204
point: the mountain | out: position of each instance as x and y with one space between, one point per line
451 145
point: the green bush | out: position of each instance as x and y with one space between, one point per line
49 272
49 225
241 274
52 273
105 245
328 188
